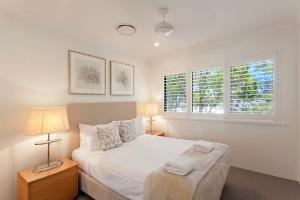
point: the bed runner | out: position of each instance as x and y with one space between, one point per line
161 185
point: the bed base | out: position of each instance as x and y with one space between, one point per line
97 190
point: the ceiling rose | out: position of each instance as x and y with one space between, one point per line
126 29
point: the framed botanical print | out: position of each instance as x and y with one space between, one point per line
87 74
121 79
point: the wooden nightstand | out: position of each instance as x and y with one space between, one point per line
56 184
157 133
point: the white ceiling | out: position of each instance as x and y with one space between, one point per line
194 20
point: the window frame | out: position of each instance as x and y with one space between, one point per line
227 116
239 116
174 72
204 68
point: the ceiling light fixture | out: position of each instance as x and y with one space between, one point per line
156 44
164 28
126 29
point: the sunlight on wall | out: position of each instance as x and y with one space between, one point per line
23 155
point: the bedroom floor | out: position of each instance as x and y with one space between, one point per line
247 185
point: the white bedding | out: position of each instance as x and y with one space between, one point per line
125 168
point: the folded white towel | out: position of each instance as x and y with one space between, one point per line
180 166
203 146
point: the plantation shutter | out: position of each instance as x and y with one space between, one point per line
251 87
175 97
207 91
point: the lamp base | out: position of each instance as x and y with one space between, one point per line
151 120
47 166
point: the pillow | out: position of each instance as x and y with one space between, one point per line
127 130
109 137
93 143
139 125
89 137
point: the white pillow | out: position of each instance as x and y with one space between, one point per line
89 137
139 126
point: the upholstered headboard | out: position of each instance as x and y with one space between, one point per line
96 113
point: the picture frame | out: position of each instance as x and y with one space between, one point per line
86 74
121 79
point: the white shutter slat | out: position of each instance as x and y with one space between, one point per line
175 93
252 87
207 91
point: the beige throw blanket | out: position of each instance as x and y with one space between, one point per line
205 182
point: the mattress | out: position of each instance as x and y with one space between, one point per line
125 169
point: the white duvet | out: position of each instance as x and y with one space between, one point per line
125 168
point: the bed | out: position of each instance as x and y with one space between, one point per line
133 170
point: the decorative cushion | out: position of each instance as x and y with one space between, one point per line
127 130
139 125
109 137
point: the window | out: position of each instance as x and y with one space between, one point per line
240 91
252 88
207 91
175 97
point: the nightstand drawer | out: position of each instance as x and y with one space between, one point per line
56 184
62 185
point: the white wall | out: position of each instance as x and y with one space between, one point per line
33 65
298 37
264 148
298 50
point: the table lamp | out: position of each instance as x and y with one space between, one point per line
150 110
46 121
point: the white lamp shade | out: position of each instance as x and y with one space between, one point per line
47 120
151 109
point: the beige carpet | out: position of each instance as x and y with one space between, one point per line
246 185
